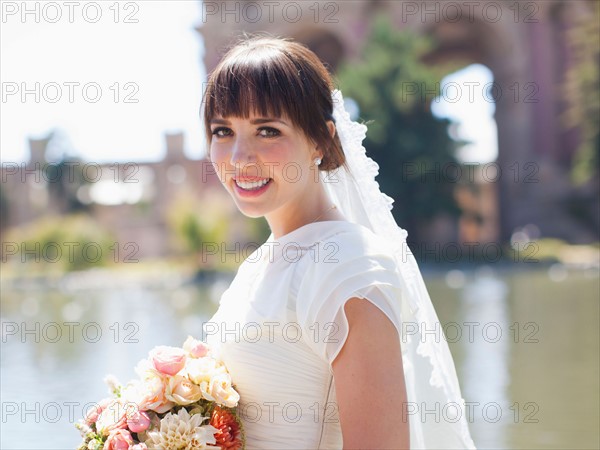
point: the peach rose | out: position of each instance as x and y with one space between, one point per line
168 360
194 347
113 417
118 440
148 394
182 391
155 395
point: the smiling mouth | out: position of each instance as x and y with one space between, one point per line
252 185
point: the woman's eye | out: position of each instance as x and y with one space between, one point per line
217 131
270 132
267 132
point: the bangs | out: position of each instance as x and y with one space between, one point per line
259 81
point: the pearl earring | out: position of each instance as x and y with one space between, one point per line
317 161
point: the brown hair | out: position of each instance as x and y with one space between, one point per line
273 77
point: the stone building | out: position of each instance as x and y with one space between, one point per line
132 201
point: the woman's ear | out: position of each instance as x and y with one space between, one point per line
331 127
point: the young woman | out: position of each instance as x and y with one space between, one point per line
321 327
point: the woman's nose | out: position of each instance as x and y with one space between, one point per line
242 153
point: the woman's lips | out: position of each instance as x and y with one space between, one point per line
243 192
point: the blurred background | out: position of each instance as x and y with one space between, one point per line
483 117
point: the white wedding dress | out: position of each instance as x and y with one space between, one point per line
281 323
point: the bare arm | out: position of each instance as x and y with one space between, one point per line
369 381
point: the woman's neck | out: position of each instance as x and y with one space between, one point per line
299 214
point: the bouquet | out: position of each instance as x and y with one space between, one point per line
183 400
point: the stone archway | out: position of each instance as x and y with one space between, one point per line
325 45
522 154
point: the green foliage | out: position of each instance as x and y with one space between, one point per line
581 92
194 221
258 230
4 207
71 242
197 224
394 88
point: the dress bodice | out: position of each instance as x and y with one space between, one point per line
287 392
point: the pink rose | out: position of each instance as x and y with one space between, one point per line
194 347
118 440
141 446
93 413
138 421
168 360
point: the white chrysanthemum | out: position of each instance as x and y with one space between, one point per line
182 432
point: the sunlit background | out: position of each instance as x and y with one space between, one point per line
485 127
161 54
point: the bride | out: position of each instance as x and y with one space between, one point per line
323 327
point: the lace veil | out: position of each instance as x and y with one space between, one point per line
358 197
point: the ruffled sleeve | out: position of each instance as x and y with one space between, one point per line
347 265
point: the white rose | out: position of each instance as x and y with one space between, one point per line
182 391
221 391
202 369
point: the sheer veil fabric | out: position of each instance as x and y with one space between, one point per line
435 409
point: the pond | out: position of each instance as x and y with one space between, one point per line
525 343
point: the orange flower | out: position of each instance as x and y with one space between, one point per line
229 436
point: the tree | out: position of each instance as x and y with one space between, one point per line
581 92
394 89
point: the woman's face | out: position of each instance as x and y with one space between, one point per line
264 163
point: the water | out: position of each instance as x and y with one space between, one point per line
526 347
